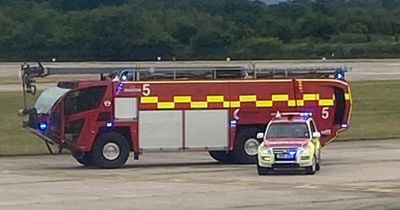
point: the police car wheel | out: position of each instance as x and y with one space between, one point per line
246 146
221 156
111 150
310 170
83 158
318 165
262 170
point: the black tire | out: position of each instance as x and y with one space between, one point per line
262 171
83 158
118 142
318 166
239 154
310 170
221 156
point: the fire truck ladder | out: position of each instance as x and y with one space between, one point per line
29 73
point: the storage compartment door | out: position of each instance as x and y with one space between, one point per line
206 129
160 129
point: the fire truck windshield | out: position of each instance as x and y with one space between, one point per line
288 130
47 99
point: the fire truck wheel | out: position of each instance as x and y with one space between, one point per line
246 146
221 156
83 158
111 150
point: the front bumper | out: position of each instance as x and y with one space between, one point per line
270 161
44 135
41 135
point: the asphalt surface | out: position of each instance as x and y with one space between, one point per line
354 175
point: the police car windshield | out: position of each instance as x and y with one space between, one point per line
288 130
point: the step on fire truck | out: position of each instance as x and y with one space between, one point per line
214 109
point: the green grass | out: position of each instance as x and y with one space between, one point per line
376 110
376 115
14 140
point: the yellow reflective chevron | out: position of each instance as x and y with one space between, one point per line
199 104
215 99
165 105
248 98
149 99
243 99
280 97
182 99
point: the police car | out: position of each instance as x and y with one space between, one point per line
291 141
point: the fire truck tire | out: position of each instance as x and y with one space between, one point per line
84 159
220 156
310 170
246 146
111 150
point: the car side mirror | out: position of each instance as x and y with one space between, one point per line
316 135
260 135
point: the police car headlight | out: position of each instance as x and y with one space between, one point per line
305 150
267 151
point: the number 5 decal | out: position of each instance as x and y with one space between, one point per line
146 89
325 113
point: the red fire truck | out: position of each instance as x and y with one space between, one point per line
214 109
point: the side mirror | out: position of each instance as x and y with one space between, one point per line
316 135
260 135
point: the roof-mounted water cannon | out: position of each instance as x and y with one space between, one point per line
340 74
28 73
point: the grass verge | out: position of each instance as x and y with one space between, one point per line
14 140
376 115
376 110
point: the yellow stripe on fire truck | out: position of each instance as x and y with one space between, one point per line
237 104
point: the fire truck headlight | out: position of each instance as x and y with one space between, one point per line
109 124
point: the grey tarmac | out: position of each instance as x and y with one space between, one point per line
354 175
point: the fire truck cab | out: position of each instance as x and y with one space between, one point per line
214 109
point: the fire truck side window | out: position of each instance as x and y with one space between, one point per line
84 99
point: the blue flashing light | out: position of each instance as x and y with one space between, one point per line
233 123
109 125
292 153
345 126
120 87
43 126
339 74
305 114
